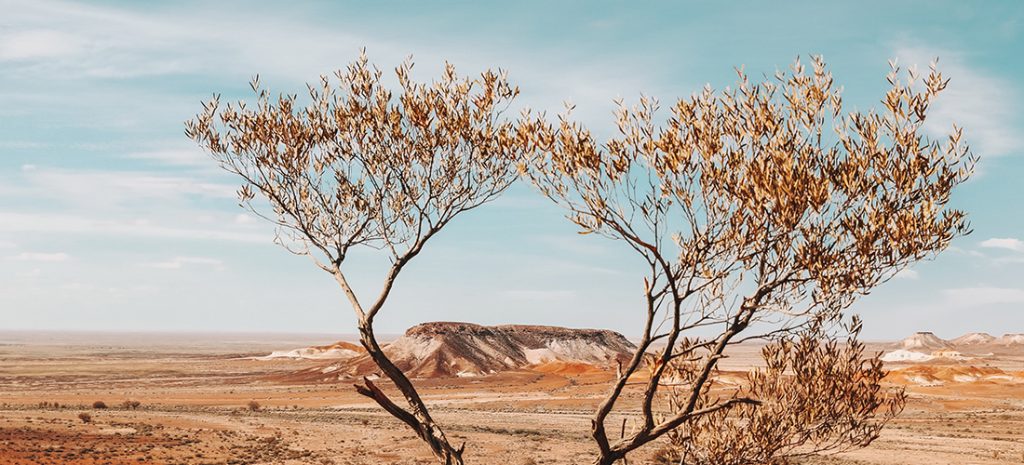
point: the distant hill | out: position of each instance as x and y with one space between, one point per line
338 350
927 347
1010 339
973 339
924 340
448 349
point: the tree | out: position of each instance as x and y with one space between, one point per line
761 213
361 167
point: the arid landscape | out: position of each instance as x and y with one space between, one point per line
511 233
223 399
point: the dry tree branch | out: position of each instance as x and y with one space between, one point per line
361 165
765 211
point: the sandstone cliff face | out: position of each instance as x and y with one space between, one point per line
444 349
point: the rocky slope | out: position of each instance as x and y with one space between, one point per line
1010 339
444 349
970 339
927 347
338 350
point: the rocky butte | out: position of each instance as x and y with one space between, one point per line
925 340
444 349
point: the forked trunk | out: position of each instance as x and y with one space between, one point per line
418 418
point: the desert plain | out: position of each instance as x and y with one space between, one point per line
217 399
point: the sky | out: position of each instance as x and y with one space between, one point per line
111 219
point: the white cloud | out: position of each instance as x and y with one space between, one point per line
42 257
177 157
1007 243
21 144
104 42
37 44
542 295
97 188
178 263
970 297
960 251
243 218
576 244
907 273
77 286
72 224
125 43
33 273
983 104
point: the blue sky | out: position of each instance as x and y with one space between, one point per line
110 219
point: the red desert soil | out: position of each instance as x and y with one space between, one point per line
194 399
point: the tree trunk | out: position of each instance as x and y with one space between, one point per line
419 418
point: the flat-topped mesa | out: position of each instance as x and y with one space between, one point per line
435 328
924 340
441 328
441 349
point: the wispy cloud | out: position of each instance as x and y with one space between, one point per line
984 104
107 43
596 246
1008 243
103 42
965 252
37 44
539 295
73 224
33 273
907 273
42 257
244 218
178 263
98 188
175 157
968 297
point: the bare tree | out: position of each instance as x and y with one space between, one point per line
361 167
761 213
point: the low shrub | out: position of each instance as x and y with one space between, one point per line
131 404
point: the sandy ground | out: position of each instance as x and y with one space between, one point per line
194 393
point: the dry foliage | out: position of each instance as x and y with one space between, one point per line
361 166
131 404
815 395
761 212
